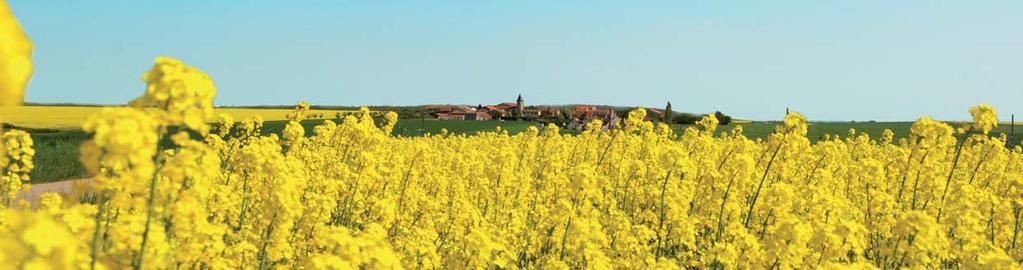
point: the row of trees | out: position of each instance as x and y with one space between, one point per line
689 119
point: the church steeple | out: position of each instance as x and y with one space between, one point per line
520 105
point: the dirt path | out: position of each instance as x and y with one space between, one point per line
63 187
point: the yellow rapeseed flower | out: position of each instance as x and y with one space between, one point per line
984 117
15 58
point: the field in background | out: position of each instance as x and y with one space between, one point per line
72 117
816 131
57 142
412 127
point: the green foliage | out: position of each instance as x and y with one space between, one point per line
56 155
667 113
722 118
685 118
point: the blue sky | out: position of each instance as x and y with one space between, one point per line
831 60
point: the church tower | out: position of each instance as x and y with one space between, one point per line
520 105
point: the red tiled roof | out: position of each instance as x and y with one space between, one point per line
494 108
655 111
584 108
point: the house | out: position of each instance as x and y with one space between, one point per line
552 111
476 116
506 109
450 116
585 114
506 106
512 109
607 115
531 113
461 113
582 109
494 111
537 112
592 112
654 115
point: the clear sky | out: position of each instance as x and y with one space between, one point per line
831 60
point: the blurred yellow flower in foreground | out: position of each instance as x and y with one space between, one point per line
15 58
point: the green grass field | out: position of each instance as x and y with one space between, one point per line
816 131
413 127
57 155
57 150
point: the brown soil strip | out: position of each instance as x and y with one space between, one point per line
61 187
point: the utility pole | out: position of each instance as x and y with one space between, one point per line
1012 128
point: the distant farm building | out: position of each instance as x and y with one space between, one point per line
576 118
515 109
584 114
654 115
461 113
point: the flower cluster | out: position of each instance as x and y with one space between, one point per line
122 148
183 94
15 164
15 58
984 117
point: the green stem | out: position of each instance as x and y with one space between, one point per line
760 186
661 217
955 162
721 211
95 233
149 218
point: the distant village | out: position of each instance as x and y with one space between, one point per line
573 117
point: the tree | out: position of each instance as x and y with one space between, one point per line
685 118
722 118
667 114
